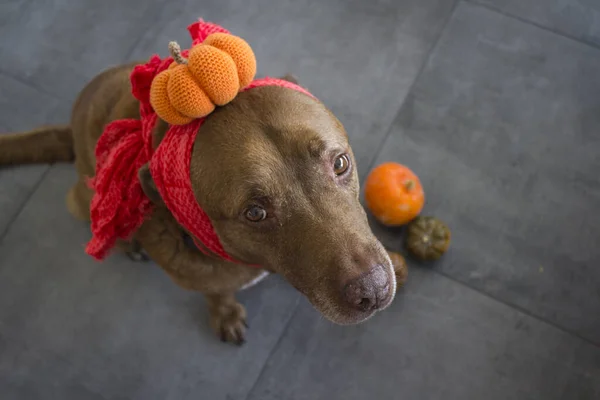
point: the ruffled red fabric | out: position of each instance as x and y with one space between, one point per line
119 205
200 30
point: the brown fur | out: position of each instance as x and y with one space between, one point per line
271 147
42 145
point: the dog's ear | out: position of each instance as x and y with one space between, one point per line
148 185
290 78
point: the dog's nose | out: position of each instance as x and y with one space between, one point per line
368 291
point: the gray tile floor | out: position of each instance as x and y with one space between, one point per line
496 106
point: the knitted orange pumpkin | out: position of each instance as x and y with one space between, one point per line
216 73
394 194
159 99
212 75
240 52
185 94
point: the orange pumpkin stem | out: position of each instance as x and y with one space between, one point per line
409 185
175 51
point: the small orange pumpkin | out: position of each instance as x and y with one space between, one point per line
212 75
159 99
185 95
216 73
240 52
393 193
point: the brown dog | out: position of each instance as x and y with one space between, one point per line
274 172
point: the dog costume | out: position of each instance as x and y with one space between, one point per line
183 90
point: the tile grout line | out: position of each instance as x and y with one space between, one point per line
523 20
518 308
137 42
411 87
272 351
30 85
24 203
134 46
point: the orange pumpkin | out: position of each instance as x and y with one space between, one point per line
216 73
212 75
240 52
159 99
185 95
393 193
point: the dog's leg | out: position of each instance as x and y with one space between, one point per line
218 280
227 317
79 199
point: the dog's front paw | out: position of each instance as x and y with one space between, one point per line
228 320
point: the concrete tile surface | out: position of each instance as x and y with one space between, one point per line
59 45
493 103
22 107
579 19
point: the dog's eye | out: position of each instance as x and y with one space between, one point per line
341 164
255 214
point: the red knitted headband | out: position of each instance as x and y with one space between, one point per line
119 205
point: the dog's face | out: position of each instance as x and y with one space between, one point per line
276 175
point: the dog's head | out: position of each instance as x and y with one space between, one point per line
276 175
